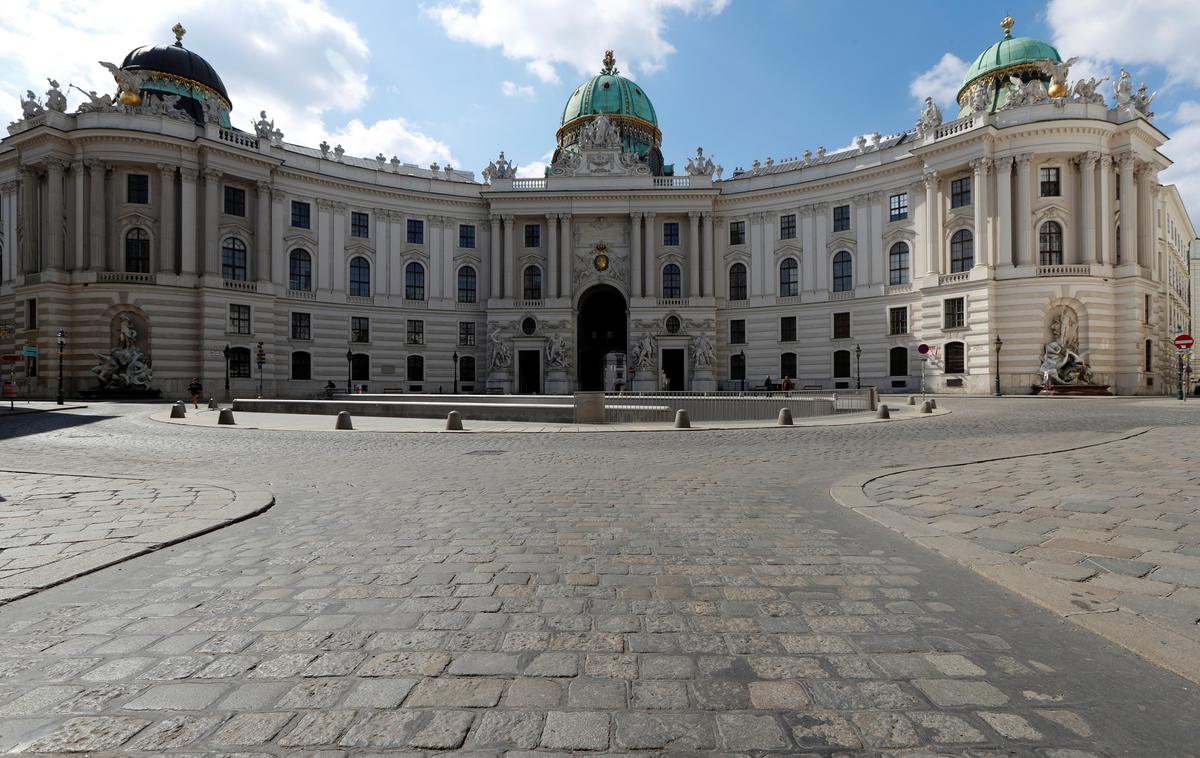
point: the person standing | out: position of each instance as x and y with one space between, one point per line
196 389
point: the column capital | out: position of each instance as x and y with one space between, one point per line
494 218
649 216
77 166
1004 163
211 174
278 194
94 163
508 218
381 214
56 164
324 205
264 188
552 217
931 179
821 208
861 199
564 216
1106 161
1127 161
693 215
166 169
981 165
10 186
635 215
1023 160
338 207
1090 157
189 174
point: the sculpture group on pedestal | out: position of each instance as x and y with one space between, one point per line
499 355
642 355
1062 360
126 367
557 354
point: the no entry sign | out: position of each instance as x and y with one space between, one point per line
1184 342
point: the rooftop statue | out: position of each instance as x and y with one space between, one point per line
55 99
129 83
95 102
931 117
30 106
264 128
600 133
701 165
1084 91
1141 101
1057 71
982 96
1024 93
1123 89
501 168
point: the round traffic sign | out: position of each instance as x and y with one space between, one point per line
922 348
1184 342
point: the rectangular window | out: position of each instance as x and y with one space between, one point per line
841 326
1149 309
787 329
787 226
841 218
360 224
671 234
302 326
737 232
360 329
31 313
466 333
31 367
235 201
737 332
955 313
898 207
239 319
466 235
897 320
301 215
533 235
415 334
416 231
960 192
239 363
137 189
1048 178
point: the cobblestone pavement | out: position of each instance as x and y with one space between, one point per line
55 527
550 594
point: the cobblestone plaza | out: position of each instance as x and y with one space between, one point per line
544 594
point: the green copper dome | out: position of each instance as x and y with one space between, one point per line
623 102
1011 56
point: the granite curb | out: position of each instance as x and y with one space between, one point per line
246 502
1070 600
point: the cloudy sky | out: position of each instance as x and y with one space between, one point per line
454 81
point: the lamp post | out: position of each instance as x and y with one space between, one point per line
454 358
62 341
999 343
349 370
742 354
227 352
858 367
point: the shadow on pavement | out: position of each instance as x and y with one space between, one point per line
25 424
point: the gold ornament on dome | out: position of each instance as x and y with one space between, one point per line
132 99
1007 26
610 64
1058 89
178 31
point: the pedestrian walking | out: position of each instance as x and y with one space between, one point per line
196 389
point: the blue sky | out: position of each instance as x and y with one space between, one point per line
457 81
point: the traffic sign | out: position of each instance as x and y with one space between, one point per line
922 348
1184 342
29 351
10 358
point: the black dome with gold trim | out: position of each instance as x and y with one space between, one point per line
173 69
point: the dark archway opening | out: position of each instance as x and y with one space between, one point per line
603 328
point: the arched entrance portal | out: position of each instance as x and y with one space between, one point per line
603 328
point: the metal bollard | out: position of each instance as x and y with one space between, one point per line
785 416
454 421
925 407
912 399
883 412
681 419
178 410
226 417
213 405
343 421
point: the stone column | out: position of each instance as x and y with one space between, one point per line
878 261
648 283
96 215
29 222
262 233
397 235
337 257
494 271
635 255
757 256
708 256
1023 228
1147 180
280 270
78 242
1004 246
381 218
433 281
1129 211
983 251
449 240
862 238
1106 254
933 224
166 218
212 245
821 247
551 256
188 264
568 256
54 214
693 254
324 264
8 222
1090 251
808 262
510 259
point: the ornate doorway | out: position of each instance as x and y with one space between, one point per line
603 325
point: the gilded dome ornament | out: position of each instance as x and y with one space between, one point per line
610 64
1007 25
178 31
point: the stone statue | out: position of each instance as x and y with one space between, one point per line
126 367
1024 93
501 168
30 106
338 152
557 353
264 128
701 165
1123 89
1084 91
931 117
981 97
129 83
55 99
642 356
324 147
212 108
1057 71
499 357
95 102
600 133
1141 101
702 349
1062 361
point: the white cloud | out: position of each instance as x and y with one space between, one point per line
941 82
1184 149
547 34
535 169
511 89
296 59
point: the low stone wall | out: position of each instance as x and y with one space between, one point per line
549 413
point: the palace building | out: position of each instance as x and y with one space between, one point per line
1025 240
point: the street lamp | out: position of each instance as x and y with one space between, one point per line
742 354
999 343
349 369
455 359
227 352
858 366
62 341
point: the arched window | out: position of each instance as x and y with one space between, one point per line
789 278
416 368
300 270
843 272
233 259
898 264
787 365
841 364
737 281
956 358
466 285
532 280
466 369
898 361
1050 244
360 368
301 365
414 281
239 363
137 251
962 251
672 286
737 366
360 277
